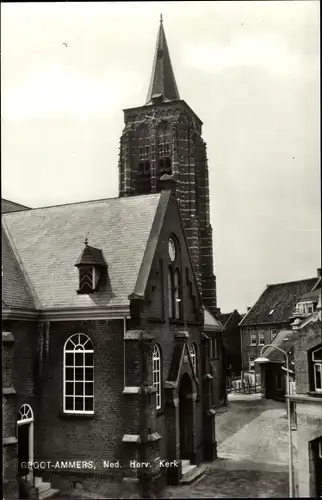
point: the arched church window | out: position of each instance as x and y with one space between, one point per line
78 374
170 292
193 355
143 180
156 362
177 294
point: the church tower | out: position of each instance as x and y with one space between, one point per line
164 137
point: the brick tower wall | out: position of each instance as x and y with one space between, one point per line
173 130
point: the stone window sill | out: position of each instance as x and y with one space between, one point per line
76 416
176 321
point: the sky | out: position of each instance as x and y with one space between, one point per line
249 70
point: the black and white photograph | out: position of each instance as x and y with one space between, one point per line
161 249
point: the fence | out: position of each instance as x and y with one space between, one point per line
249 384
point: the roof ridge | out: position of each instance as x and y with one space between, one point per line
294 281
83 202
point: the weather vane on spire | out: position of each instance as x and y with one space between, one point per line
161 18
86 239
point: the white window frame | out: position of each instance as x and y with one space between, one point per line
193 356
305 308
252 342
80 341
156 370
261 335
251 361
317 363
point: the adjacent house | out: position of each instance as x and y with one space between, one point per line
232 342
270 315
306 404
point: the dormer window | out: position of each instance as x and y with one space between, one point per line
91 266
305 308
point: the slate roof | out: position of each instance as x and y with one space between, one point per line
15 291
277 302
225 317
11 206
314 295
49 240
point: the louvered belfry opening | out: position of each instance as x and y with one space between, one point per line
86 282
91 266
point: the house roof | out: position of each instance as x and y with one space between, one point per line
225 317
47 242
11 206
277 302
284 340
313 296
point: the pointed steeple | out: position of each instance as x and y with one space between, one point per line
163 84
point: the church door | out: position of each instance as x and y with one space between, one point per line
186 418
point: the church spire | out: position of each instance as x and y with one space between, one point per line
163 84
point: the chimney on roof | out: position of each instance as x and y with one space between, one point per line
319 272
248 308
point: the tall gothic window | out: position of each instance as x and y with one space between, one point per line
174 280
78 374
193 355
177 294
170 292
143 180
156 362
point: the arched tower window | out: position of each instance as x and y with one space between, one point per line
164 162
193 355
156 362
78 374
143 179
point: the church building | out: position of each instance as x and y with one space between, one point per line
112 350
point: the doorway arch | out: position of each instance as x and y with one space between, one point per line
186 412
25 425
